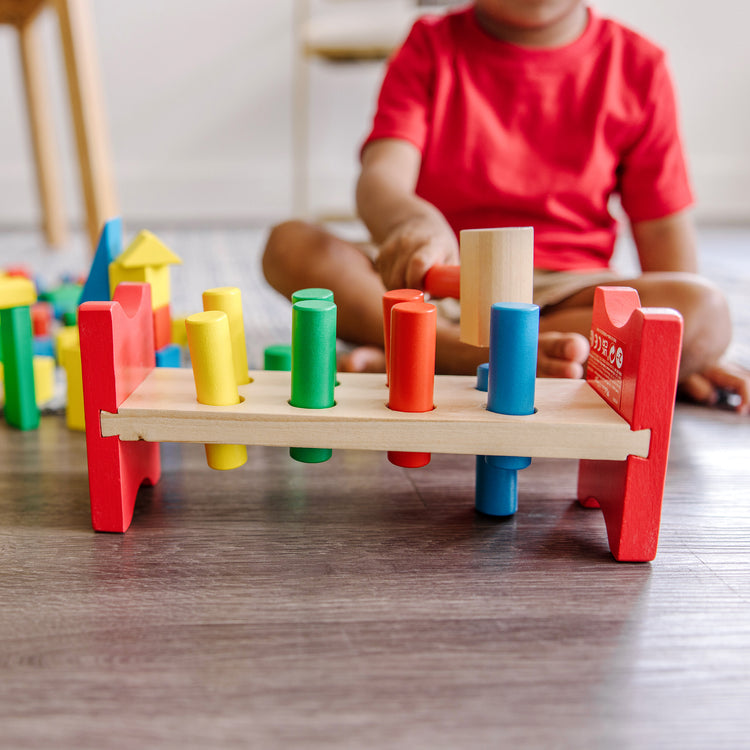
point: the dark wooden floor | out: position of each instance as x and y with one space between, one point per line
354 604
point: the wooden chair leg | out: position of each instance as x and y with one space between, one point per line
42 137
301 117
86 104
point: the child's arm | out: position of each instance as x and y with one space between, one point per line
669 245
411 233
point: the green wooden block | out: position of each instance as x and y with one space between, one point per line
21 410
64 298
278 357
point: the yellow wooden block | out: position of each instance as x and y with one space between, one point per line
147 250
145 260
44 380
65 337
179 333
70 358
16 291
157 277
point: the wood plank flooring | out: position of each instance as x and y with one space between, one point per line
354 604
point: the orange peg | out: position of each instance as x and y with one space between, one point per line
394 297
412 367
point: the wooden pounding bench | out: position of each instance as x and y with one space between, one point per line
617 422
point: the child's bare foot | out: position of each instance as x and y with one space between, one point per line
561 355
363 359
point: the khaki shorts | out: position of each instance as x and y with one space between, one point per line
550 287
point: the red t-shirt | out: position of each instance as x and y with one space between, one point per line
517 136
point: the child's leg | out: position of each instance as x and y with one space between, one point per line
300 255
707 326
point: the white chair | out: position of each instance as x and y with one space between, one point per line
341 33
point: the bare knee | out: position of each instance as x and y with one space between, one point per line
707 324
281 246
289 250
708 332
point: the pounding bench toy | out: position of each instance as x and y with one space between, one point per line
617 422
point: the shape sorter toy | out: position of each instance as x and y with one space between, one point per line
617 422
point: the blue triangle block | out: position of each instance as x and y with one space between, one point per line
110 246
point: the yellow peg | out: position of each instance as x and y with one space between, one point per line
227 299
211 355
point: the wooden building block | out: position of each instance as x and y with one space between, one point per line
109 247
179 334
65 336
497 265
44 379
145 260
21 410
70 359
169 356
41 318
16 291
162 327
278 357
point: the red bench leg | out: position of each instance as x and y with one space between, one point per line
635 355
117 352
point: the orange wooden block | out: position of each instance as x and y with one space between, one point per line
162 327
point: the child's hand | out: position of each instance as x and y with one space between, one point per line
724 378
411 249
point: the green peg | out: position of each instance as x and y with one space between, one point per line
313 364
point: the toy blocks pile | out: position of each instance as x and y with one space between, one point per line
38 329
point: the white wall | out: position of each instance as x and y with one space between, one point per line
710 59
199 102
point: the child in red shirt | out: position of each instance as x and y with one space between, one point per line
517 113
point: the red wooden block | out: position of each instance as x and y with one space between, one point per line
117 352
162 327
635 355
19 271
42 314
